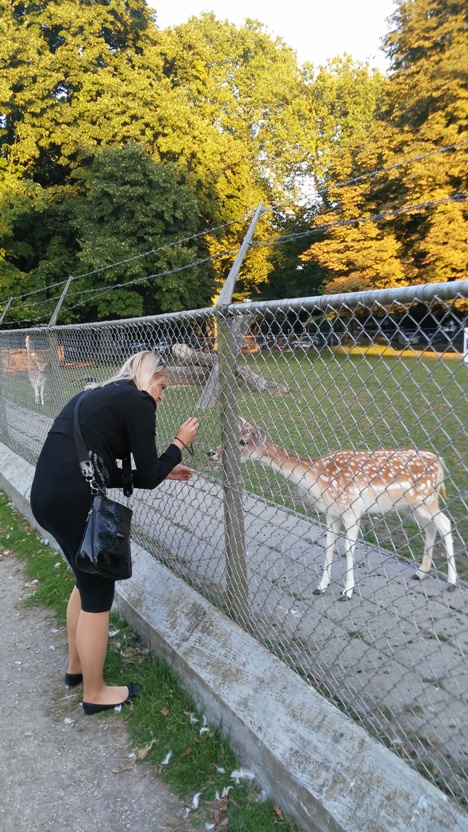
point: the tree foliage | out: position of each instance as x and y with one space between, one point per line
251 87
228 106
424 108
344 98
108 230
117 139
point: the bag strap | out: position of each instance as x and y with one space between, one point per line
87 467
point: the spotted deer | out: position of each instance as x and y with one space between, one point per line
346 485
36 372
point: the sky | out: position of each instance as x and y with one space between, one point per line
315 30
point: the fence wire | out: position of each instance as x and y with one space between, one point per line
278 387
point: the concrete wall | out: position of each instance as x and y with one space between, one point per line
318 764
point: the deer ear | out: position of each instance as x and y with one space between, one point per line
241 421
259 435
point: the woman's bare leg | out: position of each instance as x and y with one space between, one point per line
92 634
73 613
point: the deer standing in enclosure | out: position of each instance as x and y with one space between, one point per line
346 485
36 372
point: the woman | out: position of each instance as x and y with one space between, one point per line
117 417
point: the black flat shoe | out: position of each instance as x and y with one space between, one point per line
133 691
73 679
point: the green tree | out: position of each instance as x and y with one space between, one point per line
290 277
79 76
251 87
424 108
428 109
127 206
133 206
73 77
344 98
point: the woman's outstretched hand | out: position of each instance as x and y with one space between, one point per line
181 473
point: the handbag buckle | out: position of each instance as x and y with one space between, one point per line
87 469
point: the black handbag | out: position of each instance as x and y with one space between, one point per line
105 546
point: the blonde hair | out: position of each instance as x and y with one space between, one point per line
141 369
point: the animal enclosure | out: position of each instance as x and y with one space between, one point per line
317 376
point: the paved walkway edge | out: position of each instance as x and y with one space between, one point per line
316 763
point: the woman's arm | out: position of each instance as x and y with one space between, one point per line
150 469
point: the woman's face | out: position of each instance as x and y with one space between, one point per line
157 388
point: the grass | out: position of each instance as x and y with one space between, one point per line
166 729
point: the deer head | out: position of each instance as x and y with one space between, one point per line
250 439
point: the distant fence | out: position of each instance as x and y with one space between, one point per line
372 370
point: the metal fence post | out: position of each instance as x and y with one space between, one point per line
57 380
55 369
223 378
236 566
7 306
209 396
3 411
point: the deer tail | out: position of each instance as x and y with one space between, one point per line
440 483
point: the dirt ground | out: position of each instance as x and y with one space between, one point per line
60 770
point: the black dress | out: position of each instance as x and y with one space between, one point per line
116 420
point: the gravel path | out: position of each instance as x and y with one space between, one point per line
61 771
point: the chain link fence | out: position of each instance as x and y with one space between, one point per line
280 386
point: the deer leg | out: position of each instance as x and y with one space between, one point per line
333 529
427 523
437 523
429 527
444 527
351 536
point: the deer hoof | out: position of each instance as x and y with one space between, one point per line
451 588
415 577
318 592
344 597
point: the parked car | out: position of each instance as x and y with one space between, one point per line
265 342
308 341
126 347
162 347
407 339
201 344
446 333
317 341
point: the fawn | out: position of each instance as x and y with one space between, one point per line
346 485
